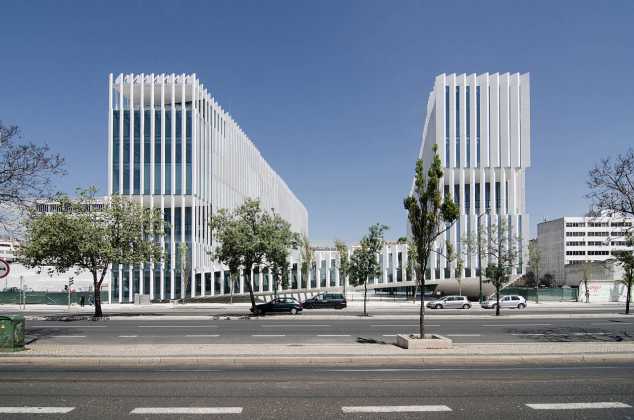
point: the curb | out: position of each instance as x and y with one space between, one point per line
321 361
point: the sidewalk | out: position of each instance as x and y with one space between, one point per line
355 354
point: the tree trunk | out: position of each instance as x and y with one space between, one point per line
365 297
97 294
251 295
497 298
627 298
421 315
415 288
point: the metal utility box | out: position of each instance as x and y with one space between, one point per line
11 332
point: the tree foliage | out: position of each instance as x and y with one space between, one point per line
611 184
26 171
249 236
364 264
343 262
502 254
308 259
430 215
92 239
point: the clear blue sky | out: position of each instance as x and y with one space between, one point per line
332 92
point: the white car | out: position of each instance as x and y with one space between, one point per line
506 301
454 302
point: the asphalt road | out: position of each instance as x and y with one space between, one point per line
484 392
272 329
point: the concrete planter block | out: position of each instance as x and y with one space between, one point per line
431 341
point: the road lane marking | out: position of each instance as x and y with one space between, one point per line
536 334
403 325
128 336
268 335
202 335
36 410
293 325
177 326
187 410
388 335
67 326
394 408
333 335
68 336
472 369
463 335
578 406
516 325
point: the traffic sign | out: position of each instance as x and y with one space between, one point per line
4 268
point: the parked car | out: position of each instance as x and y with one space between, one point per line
282 304
453 302
506 301
326 300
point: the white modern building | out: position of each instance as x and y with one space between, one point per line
171 146
481 126
576 240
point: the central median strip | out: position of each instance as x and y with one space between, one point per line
36 410
202 335
578 406
395 408
128 336
187 410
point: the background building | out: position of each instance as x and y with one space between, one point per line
171 146
575 240
481 126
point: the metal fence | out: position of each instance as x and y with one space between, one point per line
48 298
549 294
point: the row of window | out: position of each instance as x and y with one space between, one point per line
577 233
121 143
458 161
588 253
599 224
595 243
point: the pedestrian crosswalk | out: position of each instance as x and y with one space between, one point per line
371 409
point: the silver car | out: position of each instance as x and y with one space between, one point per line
450 302
506 301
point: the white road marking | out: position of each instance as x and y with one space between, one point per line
333 335
531 334
294 325
187 410
516 325
128 336
268 335
388 335
177 326
402 325
578 406
471 369
67 326
394 408
68 336
582 333
202 335
463 335
36 410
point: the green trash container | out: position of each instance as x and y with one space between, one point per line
11 332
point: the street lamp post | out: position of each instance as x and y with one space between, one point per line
480 252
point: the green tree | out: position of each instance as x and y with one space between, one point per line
308 260
343 263
534 260
363 263
626 260
502 255
279 240
411 267
430 216
81 236
248 236
587 272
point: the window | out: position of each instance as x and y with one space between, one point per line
575 252
598 233
446 126
458 163
575 224
576 233
598 253
575 243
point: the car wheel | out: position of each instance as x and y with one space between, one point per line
438 306
466 306
260 312
495 305
521 306
293 311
